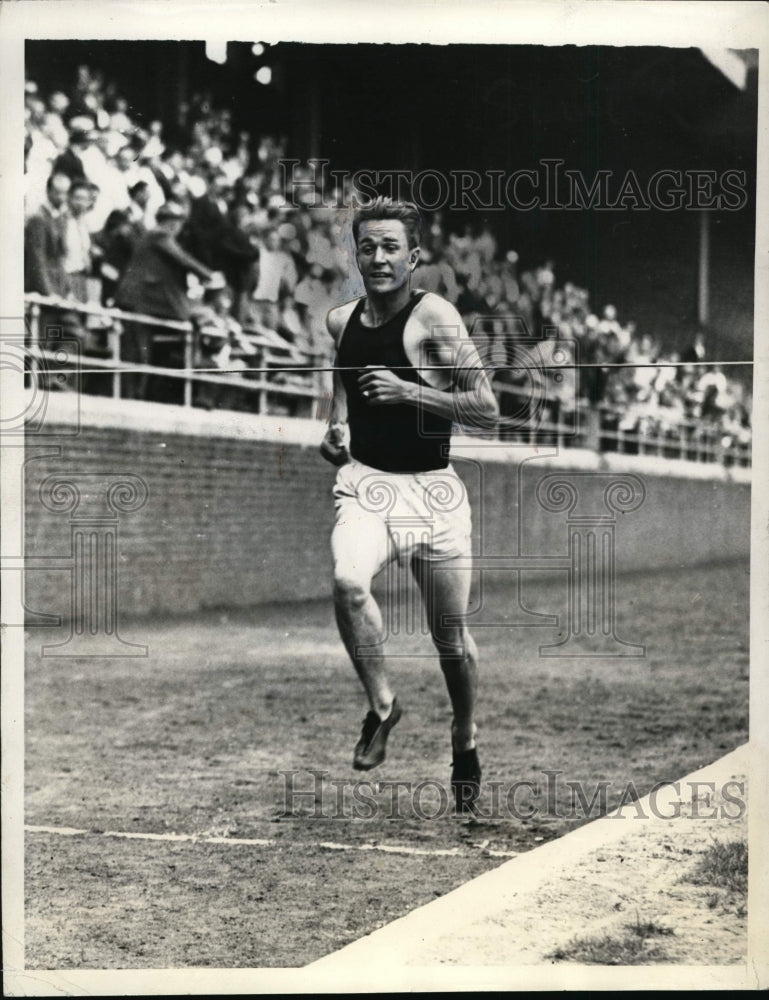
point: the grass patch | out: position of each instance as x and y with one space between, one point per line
724 866
636 946
648 929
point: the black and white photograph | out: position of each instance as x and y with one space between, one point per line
385 578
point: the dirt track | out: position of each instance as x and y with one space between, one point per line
192 741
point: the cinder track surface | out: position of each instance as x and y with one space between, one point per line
189 744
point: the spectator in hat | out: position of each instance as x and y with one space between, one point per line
155 283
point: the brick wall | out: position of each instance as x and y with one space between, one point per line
239 507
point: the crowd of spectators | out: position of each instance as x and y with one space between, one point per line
117 217
638 385
205 229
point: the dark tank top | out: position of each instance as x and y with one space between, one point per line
397 438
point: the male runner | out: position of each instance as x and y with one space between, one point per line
405 371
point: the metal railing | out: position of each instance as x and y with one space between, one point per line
574 423
272 355
688 440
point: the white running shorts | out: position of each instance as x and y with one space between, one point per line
426 514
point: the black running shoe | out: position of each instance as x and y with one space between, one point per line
370 748
466 779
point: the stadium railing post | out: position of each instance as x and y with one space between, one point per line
34 342
593 430
115 337
188 367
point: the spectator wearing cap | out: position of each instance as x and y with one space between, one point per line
155 283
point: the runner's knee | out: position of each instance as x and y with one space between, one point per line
450 641
350 592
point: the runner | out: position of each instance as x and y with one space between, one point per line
406 371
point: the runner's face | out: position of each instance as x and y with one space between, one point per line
383 255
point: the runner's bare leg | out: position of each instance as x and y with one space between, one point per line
445 592
360 550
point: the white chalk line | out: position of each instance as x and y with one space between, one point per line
327 845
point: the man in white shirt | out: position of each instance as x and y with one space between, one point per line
77 239
277 276
113 183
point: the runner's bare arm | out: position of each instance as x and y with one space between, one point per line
471 400
333 447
